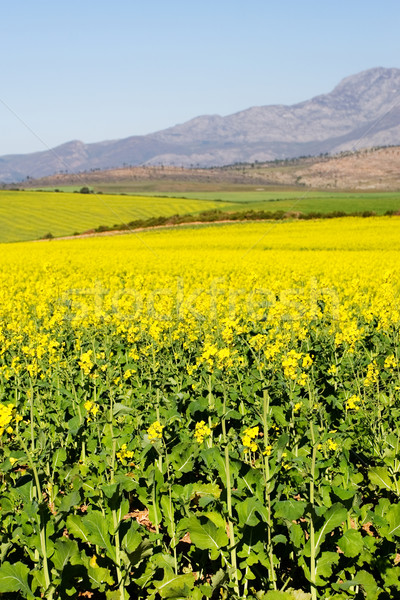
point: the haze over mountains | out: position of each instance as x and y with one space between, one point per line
362 111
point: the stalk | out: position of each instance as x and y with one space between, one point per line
42 524
117 542
312 530
210 411
32 421
173 532
160 460
154 501
271 569
229 504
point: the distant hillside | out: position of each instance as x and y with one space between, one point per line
362 111
372 169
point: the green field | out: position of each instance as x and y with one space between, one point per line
31 215
305 201
28 215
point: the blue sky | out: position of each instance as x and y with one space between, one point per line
97 70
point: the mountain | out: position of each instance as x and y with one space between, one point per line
362 111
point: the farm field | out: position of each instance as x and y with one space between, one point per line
304 200
27 215
259 197
202 413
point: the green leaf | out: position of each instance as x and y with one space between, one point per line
246 511
205 489
113 595
380 476
25 489
275 595
182 458
291 510
99 576
121 409
296 535
76 527
366 581
333 518
219 578
59 457
205 534
74 425
351 543
392 577
175 586
132 538
216 518
64 551
169 515
325 565
70 500
142 551
299 594
96 526
14 578
109 489
393 522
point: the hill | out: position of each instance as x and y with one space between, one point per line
362 111
372 169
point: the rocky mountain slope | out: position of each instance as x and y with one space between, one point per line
373 169
362 111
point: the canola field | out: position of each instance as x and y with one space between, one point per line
208 412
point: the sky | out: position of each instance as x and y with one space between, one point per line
101 70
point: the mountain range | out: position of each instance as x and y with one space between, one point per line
362 111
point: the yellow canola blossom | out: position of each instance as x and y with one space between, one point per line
201 431
248 438
124 455
353 402
155 431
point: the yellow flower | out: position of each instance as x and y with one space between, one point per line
123 454
351 403
332 445
155 431
248 438
93 562
201 431
92 408
390 362
7 415
307 361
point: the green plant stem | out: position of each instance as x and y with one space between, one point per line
117 542
160 458
267 490
154 501
230 522
42 524
173 530
229 505
32 421
313 561
210 411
